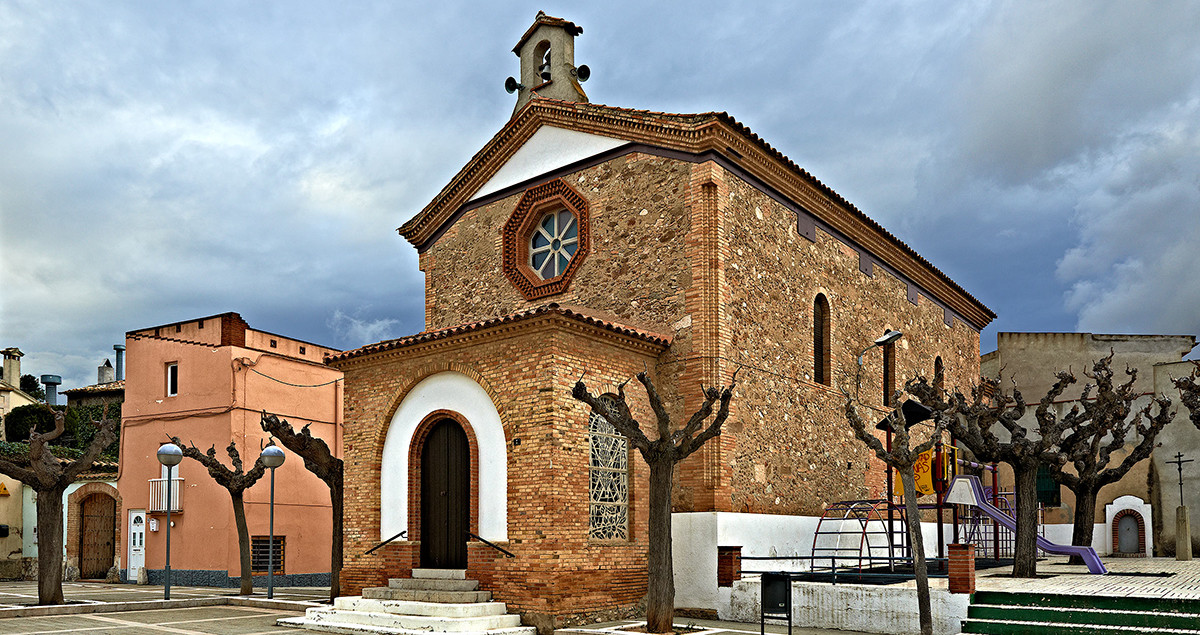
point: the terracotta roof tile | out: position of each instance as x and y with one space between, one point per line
575 313
95 388
546 20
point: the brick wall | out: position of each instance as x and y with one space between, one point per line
527 369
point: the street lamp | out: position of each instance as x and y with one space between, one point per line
169 455
272 457
888 337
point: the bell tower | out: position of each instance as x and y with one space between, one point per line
547 52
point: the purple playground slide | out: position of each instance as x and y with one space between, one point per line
980 500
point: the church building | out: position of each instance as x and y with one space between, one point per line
595 242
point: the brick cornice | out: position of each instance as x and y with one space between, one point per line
547 318
695 134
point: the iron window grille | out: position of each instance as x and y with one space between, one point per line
259 554
608 517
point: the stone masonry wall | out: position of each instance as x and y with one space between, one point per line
691 250
791 450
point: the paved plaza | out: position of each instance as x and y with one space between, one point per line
205 620
23 594
96 608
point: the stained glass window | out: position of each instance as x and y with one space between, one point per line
609 486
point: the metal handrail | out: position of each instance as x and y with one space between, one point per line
485 541
386 541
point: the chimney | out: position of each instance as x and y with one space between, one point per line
12 366
105 373
120 349
51 383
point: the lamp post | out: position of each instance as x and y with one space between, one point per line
169 455
888 337
272 457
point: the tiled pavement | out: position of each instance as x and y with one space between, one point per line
1129 577
14 594
208 620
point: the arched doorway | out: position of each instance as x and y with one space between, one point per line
97 535
445 496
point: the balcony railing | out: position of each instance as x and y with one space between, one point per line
158 494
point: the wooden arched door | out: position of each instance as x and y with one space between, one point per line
445 497
97 535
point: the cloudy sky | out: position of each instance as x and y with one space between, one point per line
171 160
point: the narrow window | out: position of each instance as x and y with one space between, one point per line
274 343
301 350
201 323
821 340
889 373
609 486
1048 492
178 328
938 372
172 379
260 553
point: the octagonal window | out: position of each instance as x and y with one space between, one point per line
553 243
546 239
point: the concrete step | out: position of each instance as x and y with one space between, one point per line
411 622
358 629
421 595
433 584
404 607
440 574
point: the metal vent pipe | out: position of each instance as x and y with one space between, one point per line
120 349
51 383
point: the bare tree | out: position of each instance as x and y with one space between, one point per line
1100 427
661 455
975 423
236 482
49 476
1189 394
902 457
319 460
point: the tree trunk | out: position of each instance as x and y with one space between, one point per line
239 517
50 545
913 515
660 596
335 560
1085 518
1025 565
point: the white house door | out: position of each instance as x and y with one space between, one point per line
137 542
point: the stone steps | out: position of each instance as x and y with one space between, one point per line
433 584
432 601
471 609
416 595
412 622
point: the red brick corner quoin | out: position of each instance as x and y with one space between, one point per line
529 211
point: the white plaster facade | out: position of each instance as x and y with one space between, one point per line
461 394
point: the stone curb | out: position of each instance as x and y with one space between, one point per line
150 605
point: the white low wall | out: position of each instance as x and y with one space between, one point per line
696 535
855 607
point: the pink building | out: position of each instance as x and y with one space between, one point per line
207 382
